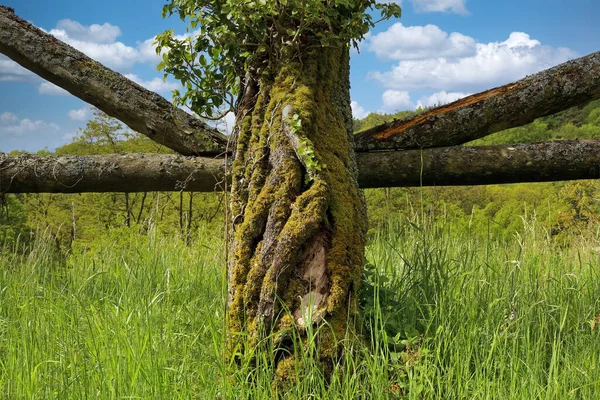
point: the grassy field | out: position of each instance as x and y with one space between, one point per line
449 314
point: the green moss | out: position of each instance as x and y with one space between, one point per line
274 200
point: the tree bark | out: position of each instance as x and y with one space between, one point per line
481 165
477 165
481 114
109 173
142 110
298 216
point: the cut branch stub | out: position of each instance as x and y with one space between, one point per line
142 110
476 116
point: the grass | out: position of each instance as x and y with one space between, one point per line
450 315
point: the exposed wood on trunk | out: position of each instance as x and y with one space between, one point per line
142 110
481 114
109 173
481 165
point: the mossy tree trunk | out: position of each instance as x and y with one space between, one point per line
298 216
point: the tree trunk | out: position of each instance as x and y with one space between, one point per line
298 215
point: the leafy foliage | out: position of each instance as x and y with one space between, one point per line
225 39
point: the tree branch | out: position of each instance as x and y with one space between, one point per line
142 110
109 173
482 165
476 116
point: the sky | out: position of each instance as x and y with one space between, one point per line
437 52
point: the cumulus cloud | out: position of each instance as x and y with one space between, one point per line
396 100
10 71
24 126
51 89
358 111
401 42
147 51
105 33
440 98
115 55
82 114
453 6
100 43
8 118
156 84
493 64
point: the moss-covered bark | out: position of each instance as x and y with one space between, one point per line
298 214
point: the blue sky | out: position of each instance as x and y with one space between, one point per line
439 51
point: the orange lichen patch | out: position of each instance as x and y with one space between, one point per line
399 127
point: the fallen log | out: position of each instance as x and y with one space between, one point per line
547 92
142 110
481 165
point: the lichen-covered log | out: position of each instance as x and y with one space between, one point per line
298 215
509 106
109 173
483 165
142 110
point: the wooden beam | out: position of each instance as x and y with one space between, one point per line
536 162
140 109
547 92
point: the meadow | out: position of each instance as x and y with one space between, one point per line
449 312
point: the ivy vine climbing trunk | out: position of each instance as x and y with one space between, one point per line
298 216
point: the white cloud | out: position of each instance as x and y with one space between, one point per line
357 110
82 114
401 42
493 64
155 85
115 55
8 118
147 51
440 98
94 33
396 100
454 6
100 43
51 89
18 128
10 71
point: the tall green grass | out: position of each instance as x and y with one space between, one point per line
448 314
